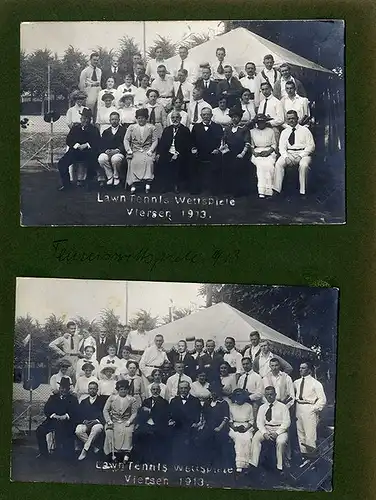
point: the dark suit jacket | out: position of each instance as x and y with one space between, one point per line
90 134
119 346
209 364
60 406
209 94
101 349
87 411
186 414
189 363
300 90
206 141
182 141
111 141
159 412
118 77
233 91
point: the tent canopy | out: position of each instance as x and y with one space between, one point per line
220 321
243 46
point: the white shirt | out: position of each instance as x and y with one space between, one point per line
249 83
252 351
55 381
127 115
173 383
264 361
272 75
106 386
191 110
82 386
151 68
151 358
110 361
190 65
234 359
186 89
140 98
74 114
253 385
283 386
274 109
125 90
165 87
221 116
313 392
106 91
249 111
299 104
82 361
214 67
86 75
138 341
279 422
183 121
304 143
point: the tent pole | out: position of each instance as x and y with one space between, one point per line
126 302
30 384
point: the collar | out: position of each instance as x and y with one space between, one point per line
207 125
250 77
116 129
287 79
198 102
232 350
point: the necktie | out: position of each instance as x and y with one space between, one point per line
71 343
220 69
265 106
115 71
94 75
102 341
131 387
268 414
152 116
301 389
245 381
228 83
195 114
292 139
182 64
179 380
181 357
179 93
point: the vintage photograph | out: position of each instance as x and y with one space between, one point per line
182 122
174 384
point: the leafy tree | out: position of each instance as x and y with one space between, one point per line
37 64
151 322
73 62
109 320
24 72
178 313
54 326
168 47
104 56
196 39
128 48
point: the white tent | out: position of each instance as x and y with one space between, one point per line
220 321
242 46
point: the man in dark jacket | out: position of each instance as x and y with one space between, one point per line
90 414
83 141
174 150
182 354
230 87
102 343
112 152
115 72
207 163
208 86
61 412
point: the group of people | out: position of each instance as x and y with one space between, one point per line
216 406
195 127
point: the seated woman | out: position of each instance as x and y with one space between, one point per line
82 385
157 115
248 107
235 154
264 148
107 381
200 388
127 110
140 142
221 113
140 98
227 379
78 99
119 413
110 89
241 428
104 112
136 388
177 105
157 379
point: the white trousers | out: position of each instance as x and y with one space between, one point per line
302 163
265 173
280 448
111 165
82 434
306 426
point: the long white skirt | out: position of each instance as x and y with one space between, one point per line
242 442
119 438
265 173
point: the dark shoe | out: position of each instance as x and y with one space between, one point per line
65 188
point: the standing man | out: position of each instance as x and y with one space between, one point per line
230 87
120 339
102 343
310 400
218 67
211 360
233 357
254 349
153 357
164 84
68 347
296 146
138 74
279 89
174 381
292 101
196 106
152 65
182 88
273 421
90 82
268 74
208 87
252 382
272 108
187 64
182 355
138 340
199 355
261 364
114 72
282 383
250 81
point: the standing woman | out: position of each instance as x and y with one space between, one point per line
140 142
136 388
241 428
104 112
200 388
157 379
78 98
119 413
157 114
140 98
237 139
248 107
221 113
227 379
109 89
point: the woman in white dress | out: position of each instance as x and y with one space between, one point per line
110 89
248 107
264 154
241 428
136 387
82 385
157 379
228 380
140 142
104 112
127 110
107 381
74 113
119 413
140 97
122 369
221 113
200 388
89 357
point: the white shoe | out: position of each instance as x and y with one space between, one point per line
261 196
116 181
96 449
133 189
110 181
147 188
239 469
126 458
82 454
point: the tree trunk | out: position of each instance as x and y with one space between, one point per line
209 295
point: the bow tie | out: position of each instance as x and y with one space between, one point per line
110 361
63 397
127 90
250 77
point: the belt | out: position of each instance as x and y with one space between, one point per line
297 149
136 352
305 402
272 425
166 97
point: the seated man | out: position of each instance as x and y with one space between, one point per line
273 421
230 87
61 416
152 427
112 152
296 146
90 414
172 384
174 150
83 143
